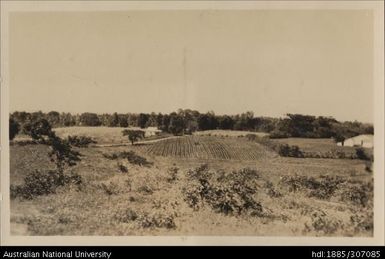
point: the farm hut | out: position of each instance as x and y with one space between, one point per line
152 131
358 141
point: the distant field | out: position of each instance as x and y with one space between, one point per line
228 133
318 145
205 147
103 135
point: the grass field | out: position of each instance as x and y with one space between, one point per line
318 145
245 190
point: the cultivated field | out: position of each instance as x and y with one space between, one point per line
194 185
209 147
228 133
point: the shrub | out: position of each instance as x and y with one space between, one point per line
322 188
126 215
38 183
122 168
368 166
321 222
146 189
14 128
39 130
135 159
131 157
80 141
112 156
290 151
156 220
361 154
362 222
357 194
228 193
279 134
271 191
173 174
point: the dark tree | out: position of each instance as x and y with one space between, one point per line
207 121
89 119
39 130
226 122
14 128
142 120
113 120
177 124
123 120
53 118
133 135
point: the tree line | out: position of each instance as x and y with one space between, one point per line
186 121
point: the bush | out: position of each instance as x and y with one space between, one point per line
290 151
112 156
227 193
122 168
173 174
322 188
14 128
146 189
80 141
357 194
321 222
362 222
156 220
361 154
126 215
368 166
39 183
39 130
279 134
131 157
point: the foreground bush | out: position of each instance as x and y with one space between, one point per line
326 187
39 183
146 220
61 154
227 193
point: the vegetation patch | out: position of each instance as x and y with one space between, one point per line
80 141
38 183
323 223
131 157
325 187
227 193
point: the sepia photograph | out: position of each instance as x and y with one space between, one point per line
200 121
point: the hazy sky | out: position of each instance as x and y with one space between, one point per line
269 62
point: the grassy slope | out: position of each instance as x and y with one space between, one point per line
150 194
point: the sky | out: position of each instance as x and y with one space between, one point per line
269 62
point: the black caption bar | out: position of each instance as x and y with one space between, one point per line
112 252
